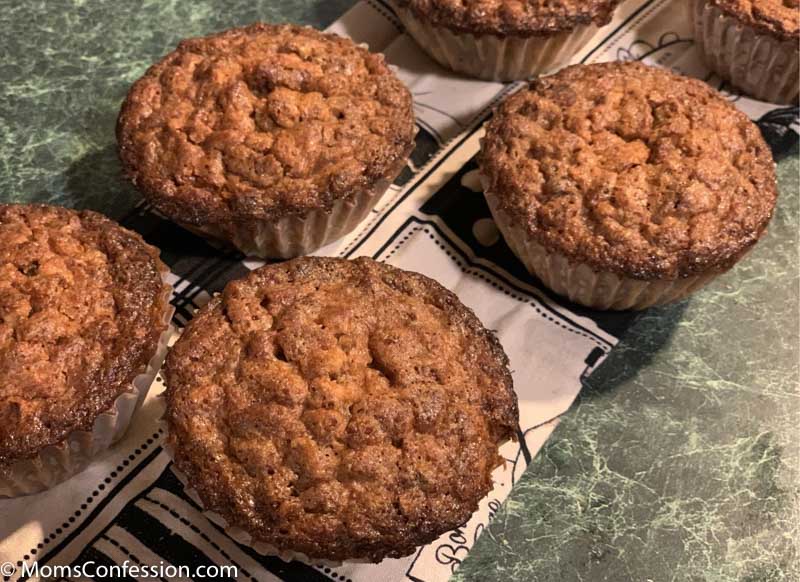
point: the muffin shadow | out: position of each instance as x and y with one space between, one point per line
95 181
646 336
323 14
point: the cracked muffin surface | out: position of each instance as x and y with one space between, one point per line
82 303
262 122
342 409
781 18
512 17
631 169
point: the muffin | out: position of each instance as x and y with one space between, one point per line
338 409
83 315
503 40
623 186
754 44
275 139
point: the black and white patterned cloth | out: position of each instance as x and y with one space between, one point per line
129 507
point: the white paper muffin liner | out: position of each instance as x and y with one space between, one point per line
298 235
495 58
59 462
584 285
758 64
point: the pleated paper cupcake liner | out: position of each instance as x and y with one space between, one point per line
762 66
298 235
495 58
584 285
57 463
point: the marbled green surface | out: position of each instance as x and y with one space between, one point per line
680 460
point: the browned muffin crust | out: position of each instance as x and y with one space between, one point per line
81 307
631 169
779 18
512 17
342 409
261 122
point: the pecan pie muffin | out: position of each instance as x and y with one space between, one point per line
338 409
83 310
754 44
623 186
503 40
275 139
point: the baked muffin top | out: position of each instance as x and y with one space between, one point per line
631 169
780 18
82 303
342 409
512 17
261 122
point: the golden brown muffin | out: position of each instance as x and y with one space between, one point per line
232 132
753 44
780 18
630 170
503 40
82 307
340 409
512 17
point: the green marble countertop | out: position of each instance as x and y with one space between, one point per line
680 460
